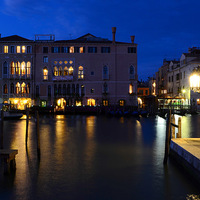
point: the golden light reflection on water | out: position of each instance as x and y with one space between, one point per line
138 130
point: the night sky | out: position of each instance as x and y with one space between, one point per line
162 29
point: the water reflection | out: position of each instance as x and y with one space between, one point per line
90 157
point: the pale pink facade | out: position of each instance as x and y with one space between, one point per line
88 70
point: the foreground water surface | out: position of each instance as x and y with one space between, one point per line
95 157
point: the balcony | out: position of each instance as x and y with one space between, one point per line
62 78
21 77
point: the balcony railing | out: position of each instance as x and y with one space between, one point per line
62 78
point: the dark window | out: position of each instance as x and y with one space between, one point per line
77 89
177 77
49 91
146 92
92 49
82 90
68 89
45 49
28 49
105 72
131 72
55 49
11 88
105 87
5 68
73 89
45 59
55 90
37 90
92 73
64 90
169 78
105 49
5 89
12 49
59 89
92 91
131 49
64 49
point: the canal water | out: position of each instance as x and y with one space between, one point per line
95 158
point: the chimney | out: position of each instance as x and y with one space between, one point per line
113 33
132 38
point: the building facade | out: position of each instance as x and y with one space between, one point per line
88 70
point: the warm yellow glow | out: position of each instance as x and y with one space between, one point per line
5 49
78 103
18 49
130 88
25 101
91 102
20 103
23 49
139 101
61 103
194 81
58 102
15 101
197 99
154 84
23 70
183 91
71 70
81 50
183 99
71 50
70 62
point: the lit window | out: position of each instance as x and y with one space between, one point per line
91 102
70 62
81 50
105 102
28 88
23 88
60 62
71 50
65 62
28 69
17 68
23 49
17 88
5 89
121 102
12 70
55 71
71 70
60 71
45 73
5 49
80 72
65 71
130 89
18 49
23 69
55 62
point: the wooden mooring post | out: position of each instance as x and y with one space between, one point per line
170 133
37 133
27 122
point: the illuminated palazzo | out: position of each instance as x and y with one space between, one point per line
88 70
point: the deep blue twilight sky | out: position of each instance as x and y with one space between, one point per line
162 29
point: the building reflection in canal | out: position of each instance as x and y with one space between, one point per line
90 157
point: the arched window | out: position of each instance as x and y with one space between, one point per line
105 72
11 88
5 68
28 88
68 89
82 90
17 68
105 88
5 89
64 90
55 90
23 88
77 89
71 70
60 71
17 87
59 89
55 71
65 71
132 72
45 73
23 68
73 89
28 69
12 68
80 72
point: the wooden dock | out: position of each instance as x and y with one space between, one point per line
186 152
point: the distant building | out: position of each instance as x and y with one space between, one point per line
88 70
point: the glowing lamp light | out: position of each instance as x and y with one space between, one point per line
183 91
194 81
15 101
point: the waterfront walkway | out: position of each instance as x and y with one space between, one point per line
187 153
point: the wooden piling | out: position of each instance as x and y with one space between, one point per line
27 122
168 137
1 134
38 133
179 128
173 127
